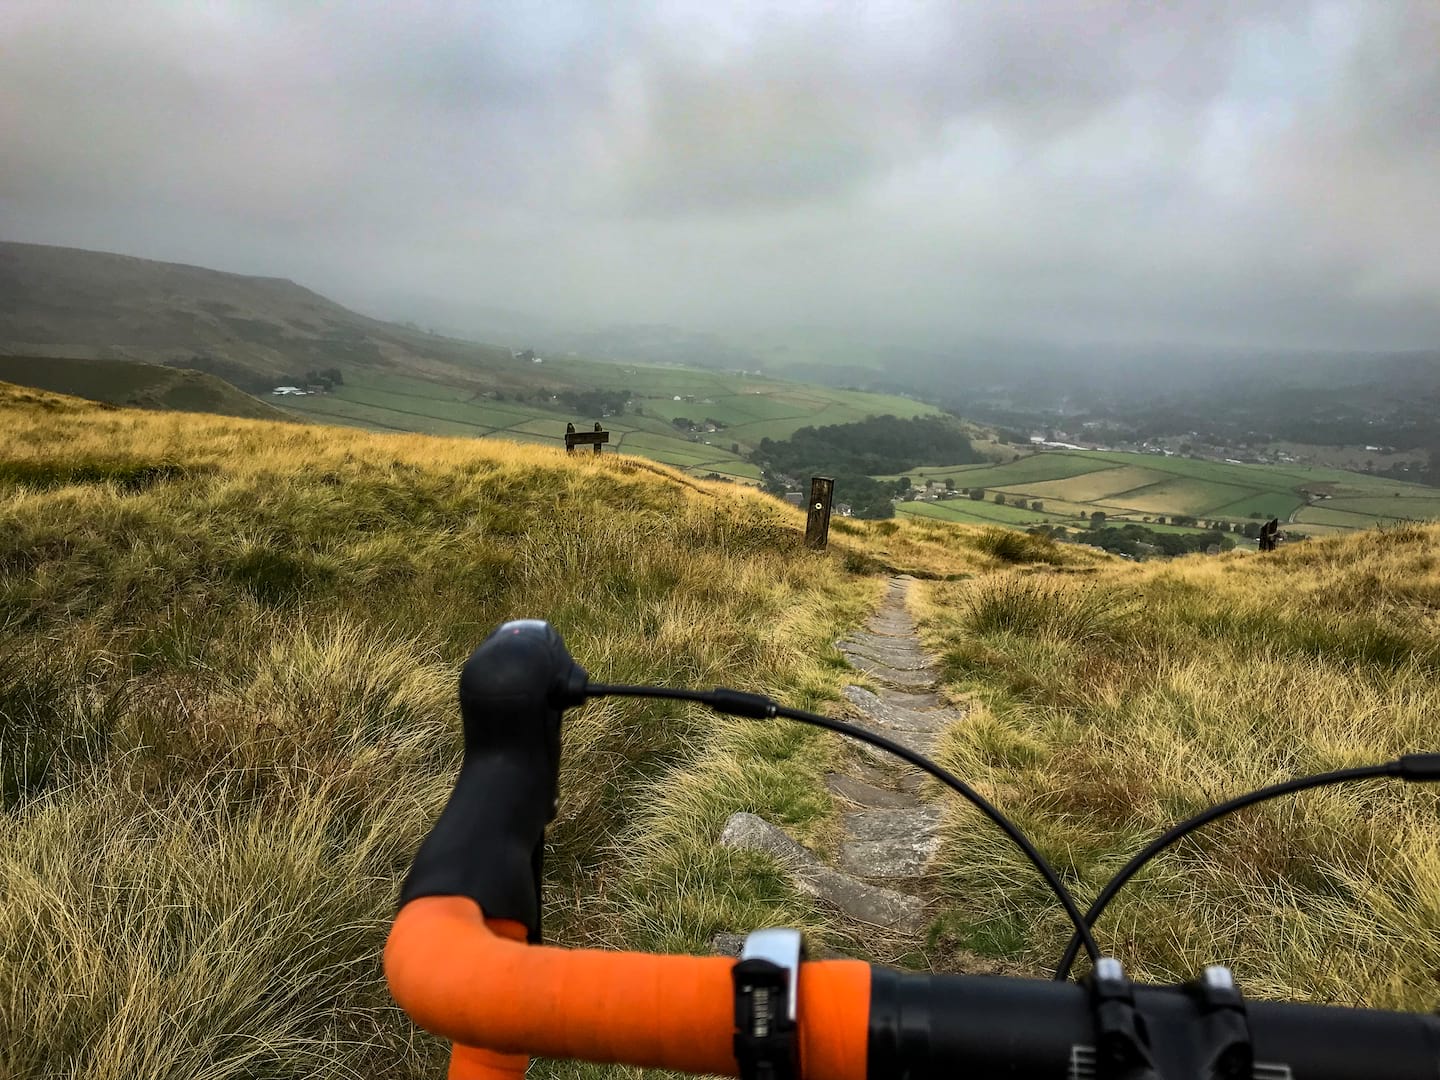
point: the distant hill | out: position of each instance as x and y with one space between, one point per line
136 384
251 331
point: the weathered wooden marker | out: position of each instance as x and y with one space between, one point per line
594 438
817 528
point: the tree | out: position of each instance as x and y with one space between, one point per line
950 484
999 498
1097 519
903 486
1037 505
978 494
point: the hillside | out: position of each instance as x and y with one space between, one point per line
248 330
228 666
257 332
140 385
227 707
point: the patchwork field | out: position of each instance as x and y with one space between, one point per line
747 408
1134 487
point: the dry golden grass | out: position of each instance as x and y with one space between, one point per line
1112 705
228 653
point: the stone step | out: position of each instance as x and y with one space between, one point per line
883 771
893 843
896 630
922 742
891 719
913 700
870 795
900 678
901 659
885 642
866 903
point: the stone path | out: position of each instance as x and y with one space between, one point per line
890 833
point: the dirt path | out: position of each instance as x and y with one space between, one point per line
890 831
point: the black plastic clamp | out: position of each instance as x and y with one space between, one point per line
1226 1051
1122 1047
767 1001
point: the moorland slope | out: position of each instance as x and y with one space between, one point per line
228 652
136 384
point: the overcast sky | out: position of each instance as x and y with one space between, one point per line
1073 170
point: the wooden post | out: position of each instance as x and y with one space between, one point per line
594 438
817 528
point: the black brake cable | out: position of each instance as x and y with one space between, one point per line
759 707
1417 768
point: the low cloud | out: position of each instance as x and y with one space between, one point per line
1229 173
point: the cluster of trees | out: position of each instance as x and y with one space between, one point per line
852 452
1136 540
594 403
880 444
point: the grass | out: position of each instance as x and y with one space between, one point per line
227 717
1131 486
124 382
975 512
751 407
1111 705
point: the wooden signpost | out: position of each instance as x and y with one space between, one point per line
817 528
594 438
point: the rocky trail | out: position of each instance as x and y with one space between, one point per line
890 833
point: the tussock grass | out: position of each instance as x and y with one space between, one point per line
1012 546
227 716
1110 706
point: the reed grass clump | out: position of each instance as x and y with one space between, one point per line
1109 706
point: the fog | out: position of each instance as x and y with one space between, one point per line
1256 175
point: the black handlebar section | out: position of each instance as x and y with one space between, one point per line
489 841
925 1027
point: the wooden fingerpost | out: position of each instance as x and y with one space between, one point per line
594 438
817 528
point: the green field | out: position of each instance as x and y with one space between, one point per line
1132 487
969 512
749 408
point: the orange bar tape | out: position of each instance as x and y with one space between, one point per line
457 977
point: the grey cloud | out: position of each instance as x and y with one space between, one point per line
1207 171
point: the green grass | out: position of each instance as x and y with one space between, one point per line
1324 515
1267 504
1134 486
400 403
1030 468
1181 495
972 512
754 408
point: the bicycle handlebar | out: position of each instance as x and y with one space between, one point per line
463 959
